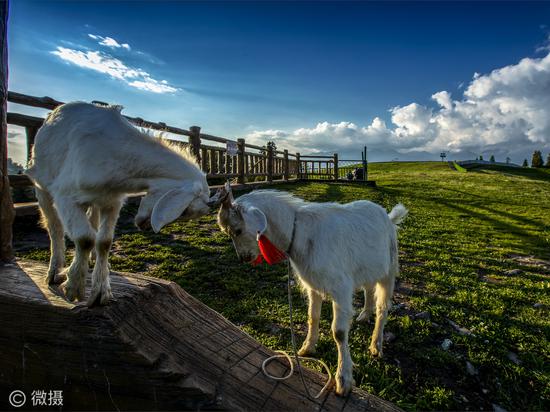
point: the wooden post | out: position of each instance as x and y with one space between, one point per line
204 159
269 163
240 161
221 169
195 142
298 166
336 166
286 171
7 212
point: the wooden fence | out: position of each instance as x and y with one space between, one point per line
247 163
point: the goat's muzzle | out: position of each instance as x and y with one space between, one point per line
143 224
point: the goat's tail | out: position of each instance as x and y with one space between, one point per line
398 214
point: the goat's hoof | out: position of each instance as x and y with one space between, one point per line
343 385
99 297
307 351
71 292
375 352
364 316
55 278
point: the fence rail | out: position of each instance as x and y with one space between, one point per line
248 163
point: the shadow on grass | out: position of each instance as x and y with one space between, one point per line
527 172
529 241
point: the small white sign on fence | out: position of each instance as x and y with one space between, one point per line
232 148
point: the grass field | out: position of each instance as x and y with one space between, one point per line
465 233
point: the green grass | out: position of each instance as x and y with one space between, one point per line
464 232
459 168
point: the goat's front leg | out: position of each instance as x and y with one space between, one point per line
314 313
101 286
342 314
79 230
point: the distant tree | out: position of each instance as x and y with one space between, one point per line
508 160
481 158
525 164
536 160
268 145
477 158
548 160
492 159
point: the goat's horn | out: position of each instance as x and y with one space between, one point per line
216 199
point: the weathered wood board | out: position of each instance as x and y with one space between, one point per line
154 348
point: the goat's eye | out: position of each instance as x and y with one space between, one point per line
238 232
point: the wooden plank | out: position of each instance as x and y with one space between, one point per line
154 348
7 213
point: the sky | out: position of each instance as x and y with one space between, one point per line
409 80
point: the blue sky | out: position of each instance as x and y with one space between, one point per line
313 76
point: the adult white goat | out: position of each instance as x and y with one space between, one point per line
86 159
334 249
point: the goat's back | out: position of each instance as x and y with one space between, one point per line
65 138
357 240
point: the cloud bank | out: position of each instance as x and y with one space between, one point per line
505 112
115 68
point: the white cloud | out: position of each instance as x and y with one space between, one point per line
109 42
506 111
115 68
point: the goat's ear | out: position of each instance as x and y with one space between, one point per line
255 219
228 198
171 205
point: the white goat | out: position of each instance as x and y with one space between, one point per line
86 159
334 249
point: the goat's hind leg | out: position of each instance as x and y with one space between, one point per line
101 286
51 222
383 294
79 230
368 306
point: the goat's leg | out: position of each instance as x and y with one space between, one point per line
79 230
51 222
93 217
383 295
314 313
368 306
342 314
101 286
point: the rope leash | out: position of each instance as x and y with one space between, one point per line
283 354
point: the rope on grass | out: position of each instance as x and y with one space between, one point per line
283 354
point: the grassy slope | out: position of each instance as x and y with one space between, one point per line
464 232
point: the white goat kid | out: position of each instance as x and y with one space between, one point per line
86 160
334 249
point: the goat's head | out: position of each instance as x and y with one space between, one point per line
242 224
165 204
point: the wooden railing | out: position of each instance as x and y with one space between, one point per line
249 163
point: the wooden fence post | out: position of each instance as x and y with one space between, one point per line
298 166
240 161
286 171
335 166
269 163
7 213
195 142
